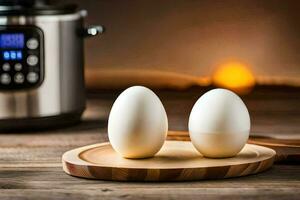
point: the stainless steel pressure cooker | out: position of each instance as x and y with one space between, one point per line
41 64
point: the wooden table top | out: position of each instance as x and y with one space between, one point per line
30 163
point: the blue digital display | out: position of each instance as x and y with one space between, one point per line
12 55
12 40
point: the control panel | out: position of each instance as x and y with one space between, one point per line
21 57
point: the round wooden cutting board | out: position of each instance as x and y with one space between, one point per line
176 161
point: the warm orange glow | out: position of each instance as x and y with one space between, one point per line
234 76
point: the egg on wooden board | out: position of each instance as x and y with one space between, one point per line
138 123
219 124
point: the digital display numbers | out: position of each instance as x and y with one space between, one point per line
12 45
12 41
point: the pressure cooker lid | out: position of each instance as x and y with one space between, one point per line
35 7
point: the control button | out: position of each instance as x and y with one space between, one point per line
18 66
5 79
6 67
32 43
32 77
32 60
19 78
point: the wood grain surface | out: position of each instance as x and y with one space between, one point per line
176 161
30 163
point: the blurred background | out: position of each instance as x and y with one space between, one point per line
179 43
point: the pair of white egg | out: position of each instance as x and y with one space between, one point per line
219 124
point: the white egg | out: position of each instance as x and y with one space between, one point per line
138 123
219 124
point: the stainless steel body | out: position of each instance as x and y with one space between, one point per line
62 90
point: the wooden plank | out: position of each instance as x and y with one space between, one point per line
279 182
156 193
43 178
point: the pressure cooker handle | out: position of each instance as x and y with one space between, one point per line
93 31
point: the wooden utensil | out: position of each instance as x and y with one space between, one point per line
176 161
287 150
